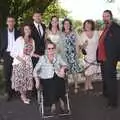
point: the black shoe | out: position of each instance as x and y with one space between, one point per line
105 95
108 107
111 106
8 98
114 105
64 111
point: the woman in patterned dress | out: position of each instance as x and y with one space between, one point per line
69 50
89 41
22 74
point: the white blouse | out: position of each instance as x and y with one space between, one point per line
17 50
92 45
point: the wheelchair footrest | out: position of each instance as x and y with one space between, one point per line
57 115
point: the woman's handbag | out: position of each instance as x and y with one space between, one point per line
84 51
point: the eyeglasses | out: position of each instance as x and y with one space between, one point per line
51 48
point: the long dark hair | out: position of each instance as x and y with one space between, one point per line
50 25
22 30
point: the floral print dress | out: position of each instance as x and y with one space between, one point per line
22 75
70 55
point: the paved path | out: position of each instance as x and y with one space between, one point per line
84 107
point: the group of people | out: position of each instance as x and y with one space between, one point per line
44 54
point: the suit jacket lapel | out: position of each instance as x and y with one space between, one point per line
16 34
6 37
43 27
36 31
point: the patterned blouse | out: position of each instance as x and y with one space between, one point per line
28 47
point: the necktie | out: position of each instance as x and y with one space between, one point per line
39 30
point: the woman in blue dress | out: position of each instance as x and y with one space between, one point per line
69 50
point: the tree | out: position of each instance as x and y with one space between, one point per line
99 24
54 9
18 8
77 25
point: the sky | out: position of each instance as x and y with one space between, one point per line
90 9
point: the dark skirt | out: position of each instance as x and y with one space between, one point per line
53 89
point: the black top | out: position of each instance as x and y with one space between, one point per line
4 40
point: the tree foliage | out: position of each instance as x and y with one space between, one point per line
99 24
19 8
77 25
54 9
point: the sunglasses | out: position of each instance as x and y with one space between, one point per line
51 48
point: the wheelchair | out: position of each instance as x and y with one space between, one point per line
41 106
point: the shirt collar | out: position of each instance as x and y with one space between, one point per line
11 31
54 59
36 24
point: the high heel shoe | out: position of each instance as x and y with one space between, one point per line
28 100
91 87
25 100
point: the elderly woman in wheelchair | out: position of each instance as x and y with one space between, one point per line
49 73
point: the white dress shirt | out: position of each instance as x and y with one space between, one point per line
11 40
41 29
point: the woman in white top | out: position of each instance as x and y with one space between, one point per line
22 78
53 32
89 41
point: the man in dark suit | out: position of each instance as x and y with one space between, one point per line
109 55
38 34
8 36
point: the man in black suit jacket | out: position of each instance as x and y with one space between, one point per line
8 36
109 55
38 34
